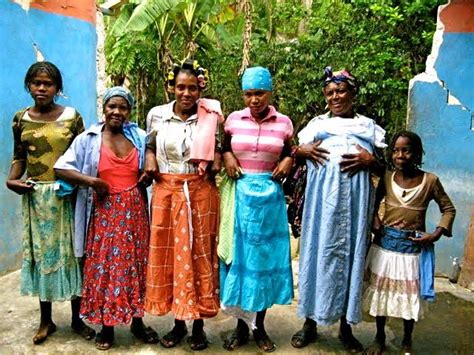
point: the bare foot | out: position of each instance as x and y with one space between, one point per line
43 332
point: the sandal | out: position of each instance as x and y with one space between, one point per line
304 337
39 338
376 348
83 330
198 341
174 337
264 342
104 341
351 344
236 339
145 334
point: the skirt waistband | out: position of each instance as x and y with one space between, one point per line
397 240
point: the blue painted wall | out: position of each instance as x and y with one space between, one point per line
68 42
447 133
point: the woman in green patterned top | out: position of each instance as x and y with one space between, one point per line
41 134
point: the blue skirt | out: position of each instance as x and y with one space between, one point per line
260 273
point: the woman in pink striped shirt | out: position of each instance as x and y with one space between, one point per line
257 154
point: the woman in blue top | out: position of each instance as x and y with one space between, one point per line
339 147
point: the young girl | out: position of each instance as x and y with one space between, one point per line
41 133
396 276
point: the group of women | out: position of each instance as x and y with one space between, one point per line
88 237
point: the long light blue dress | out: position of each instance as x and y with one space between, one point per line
336 220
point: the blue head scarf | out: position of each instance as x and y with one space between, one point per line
257 78
119 91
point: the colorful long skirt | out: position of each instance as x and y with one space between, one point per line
49 269
116 258
259 275
182 272
393 276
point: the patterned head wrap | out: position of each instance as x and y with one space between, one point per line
257 78
339 77
119 91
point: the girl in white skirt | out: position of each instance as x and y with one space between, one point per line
400 260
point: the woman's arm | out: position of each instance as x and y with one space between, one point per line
286 163
231 164
76 178
14 181
18 166
151 165
448 212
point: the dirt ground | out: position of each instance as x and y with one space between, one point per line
447 329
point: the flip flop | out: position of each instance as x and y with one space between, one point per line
198 341
103 341
83 330
376 348
351 344
145 334
303 337
264 342
173 338
236 339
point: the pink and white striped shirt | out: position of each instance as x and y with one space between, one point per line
258 145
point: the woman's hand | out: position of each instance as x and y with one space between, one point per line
428 238
283 169
145 180
231 164
19 186
377 227
313 152
353 163
100 186
151 169
216 164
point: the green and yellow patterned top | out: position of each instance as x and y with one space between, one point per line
41 143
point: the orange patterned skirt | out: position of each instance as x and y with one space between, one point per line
182 272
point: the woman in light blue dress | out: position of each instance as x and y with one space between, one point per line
339 148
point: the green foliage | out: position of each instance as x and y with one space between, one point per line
383 42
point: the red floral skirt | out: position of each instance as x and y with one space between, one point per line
116 258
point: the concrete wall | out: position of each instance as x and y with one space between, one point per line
66 36
441 111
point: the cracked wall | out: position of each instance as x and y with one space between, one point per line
64 32
441 111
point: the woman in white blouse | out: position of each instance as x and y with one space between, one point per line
182 274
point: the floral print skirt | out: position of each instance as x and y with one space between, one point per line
49 268
116 258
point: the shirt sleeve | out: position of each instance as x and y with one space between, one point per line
19 151
446 207
79 126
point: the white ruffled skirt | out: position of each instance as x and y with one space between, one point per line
393 284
